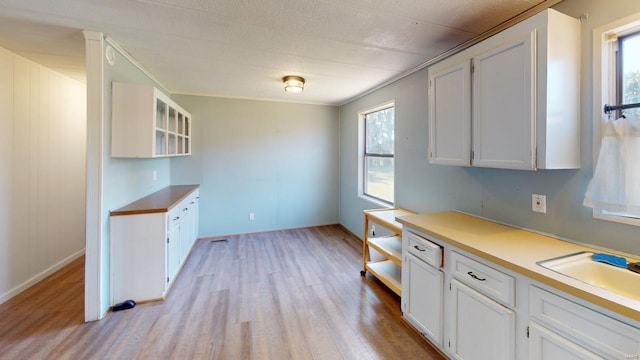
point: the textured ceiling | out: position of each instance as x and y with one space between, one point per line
243 48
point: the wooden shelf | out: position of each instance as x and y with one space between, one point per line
387 272
389 246
387 218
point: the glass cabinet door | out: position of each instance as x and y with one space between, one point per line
161 115
160 143
172 120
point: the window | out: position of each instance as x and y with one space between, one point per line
628 73
614 191
377 154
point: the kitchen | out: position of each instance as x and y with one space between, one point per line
503 195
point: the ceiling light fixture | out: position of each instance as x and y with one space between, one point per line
294 84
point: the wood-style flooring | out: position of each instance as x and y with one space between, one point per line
291 294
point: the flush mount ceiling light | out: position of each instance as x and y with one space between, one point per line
294 84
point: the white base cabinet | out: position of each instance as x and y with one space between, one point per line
589 330
473 309
481 328
422 297
547 345
149 245
139 257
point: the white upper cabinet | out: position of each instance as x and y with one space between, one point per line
147 124
450 114
503 113
518 92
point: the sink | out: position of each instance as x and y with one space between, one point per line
581 266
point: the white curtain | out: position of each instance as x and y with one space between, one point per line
616 180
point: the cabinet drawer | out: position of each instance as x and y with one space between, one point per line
483 278
597 332
425 250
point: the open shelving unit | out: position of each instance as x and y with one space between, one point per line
389 269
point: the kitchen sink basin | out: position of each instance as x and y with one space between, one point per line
581 266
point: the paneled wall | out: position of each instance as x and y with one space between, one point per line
42 172
277 161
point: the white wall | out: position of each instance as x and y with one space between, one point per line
276 160
504 195
42 172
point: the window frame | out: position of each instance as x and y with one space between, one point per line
606 77
363 155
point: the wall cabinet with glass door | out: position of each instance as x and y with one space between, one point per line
146 123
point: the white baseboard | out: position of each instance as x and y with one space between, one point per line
35 279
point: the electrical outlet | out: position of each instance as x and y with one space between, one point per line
373 230
155 175
539 203
251 217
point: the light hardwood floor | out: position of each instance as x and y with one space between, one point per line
292 294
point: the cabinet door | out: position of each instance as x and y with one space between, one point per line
480 327
195 223
185 231
547 345
160 139
422 297
503 105
450 114
138 257
173 247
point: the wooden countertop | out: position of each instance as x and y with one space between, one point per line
387 217
158 202
518 250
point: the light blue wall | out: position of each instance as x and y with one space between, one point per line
504 195
418 187
124 180
276 160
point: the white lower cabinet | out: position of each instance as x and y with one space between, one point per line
150 242
139 257
544 344
490 312
422 285
422 297
480 327
188 224
472 308
589 330
174 254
